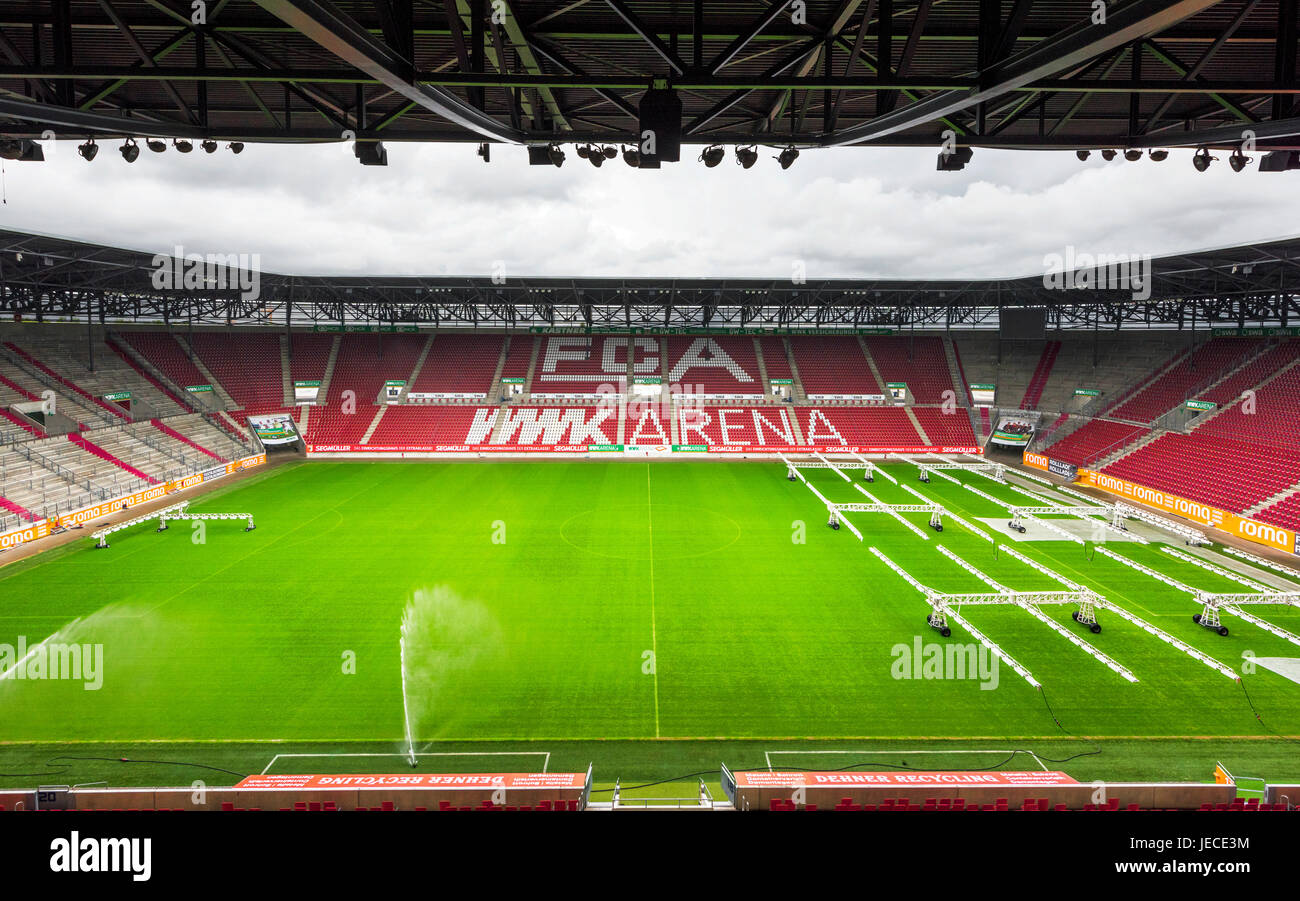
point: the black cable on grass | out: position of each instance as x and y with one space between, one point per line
185 763
1097 749
1258 717
597 791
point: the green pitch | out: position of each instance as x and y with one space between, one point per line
555 606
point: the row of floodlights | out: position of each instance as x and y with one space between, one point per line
130 150
1201 160
746 157
711 156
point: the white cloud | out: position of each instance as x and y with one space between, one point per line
435 210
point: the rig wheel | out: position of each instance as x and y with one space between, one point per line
1095 628
945 631
1223 630
1196 618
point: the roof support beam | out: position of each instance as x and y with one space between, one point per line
854 55
1285 57
1134 21
825 36
61 36
1169 60
77 120
557 59
15 56
634 22
523 46
104 91
807 50
1110 66
764 19
1267 130
1011 30
351 43
885 100
329 108
1209 53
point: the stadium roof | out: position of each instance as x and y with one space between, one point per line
51 278
1005 73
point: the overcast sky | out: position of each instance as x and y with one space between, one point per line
439 210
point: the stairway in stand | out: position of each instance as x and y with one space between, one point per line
1034 393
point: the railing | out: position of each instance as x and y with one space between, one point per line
1208 381
703 800
146 439
1100 404
1105 452
216 422
58 469
78 402
124 347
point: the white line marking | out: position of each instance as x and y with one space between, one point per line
654 633
546 764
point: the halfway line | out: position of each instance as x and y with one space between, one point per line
654 635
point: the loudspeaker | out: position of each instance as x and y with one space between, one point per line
1279 161
660 139
370 153
955 161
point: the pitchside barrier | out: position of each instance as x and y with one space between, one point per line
42 529
1263 533
397 791
30 532
1282 794
570 791
757 790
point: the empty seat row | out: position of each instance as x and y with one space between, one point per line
1095 440
459 364
1194 372
918 362
834 364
